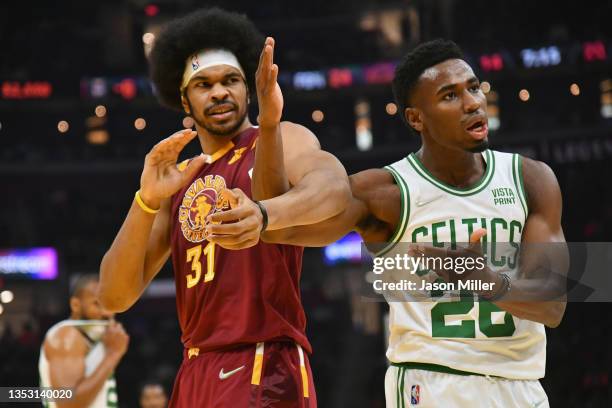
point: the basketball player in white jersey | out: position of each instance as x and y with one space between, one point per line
451 351
83 351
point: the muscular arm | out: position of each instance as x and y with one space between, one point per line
138 252
142 245
320 185
373 211
543 225
66 351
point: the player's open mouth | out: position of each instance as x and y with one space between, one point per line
478 130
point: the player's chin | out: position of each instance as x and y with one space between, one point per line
478 146
221 128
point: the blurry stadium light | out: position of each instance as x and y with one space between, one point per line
485 87
148 38
0 125
524 95
151 10
606 98
100 111
317 116
188 122
594 51
63 126
97 136
541 57
1 309
6 296
391 108
575 89
492 62
493 110
140 124
363 125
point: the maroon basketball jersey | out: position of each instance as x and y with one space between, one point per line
227 298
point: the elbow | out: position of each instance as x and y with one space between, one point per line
113 304
340 194
555 315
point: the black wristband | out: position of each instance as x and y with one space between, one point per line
264 214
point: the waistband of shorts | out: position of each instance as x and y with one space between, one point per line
438 369
191 352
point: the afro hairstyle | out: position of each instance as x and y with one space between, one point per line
409 70
201 29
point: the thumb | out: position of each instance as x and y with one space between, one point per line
476 237
193 166
232 195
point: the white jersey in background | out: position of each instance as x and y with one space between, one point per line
92 331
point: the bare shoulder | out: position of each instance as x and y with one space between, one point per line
372 182
66 340
376 188
541 185
297 133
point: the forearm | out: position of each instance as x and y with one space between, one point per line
547 313
86 390
269 175
320 195
538 300
122 267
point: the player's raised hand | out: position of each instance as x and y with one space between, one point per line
160 177
237 228
269 95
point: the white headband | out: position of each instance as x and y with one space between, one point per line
206 59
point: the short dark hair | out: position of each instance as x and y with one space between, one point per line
201 29
79 282
411 67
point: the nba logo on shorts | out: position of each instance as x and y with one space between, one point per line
415 394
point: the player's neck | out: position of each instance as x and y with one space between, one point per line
456 167
212 143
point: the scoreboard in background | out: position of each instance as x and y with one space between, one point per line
29 263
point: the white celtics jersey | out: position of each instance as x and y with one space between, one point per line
107 396
461 332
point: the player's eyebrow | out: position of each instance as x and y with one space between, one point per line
448 87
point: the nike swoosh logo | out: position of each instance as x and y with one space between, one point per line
223 376
539 403
422 203
251 173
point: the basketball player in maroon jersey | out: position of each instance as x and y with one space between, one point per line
242 322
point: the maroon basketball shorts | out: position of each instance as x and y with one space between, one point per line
263 375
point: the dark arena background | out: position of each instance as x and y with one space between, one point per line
78 115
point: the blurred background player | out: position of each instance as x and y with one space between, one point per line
83 351
153 395
240 312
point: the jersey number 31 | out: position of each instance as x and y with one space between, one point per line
193 256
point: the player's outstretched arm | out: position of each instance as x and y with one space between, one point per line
373 212
66 351
289 155
142 245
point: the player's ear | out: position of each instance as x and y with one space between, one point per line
414 118
75 305
185 103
